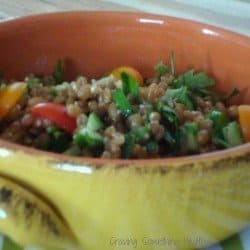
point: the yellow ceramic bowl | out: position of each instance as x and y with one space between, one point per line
59 202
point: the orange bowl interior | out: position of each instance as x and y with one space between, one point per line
93 43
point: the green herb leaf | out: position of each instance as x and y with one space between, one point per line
190 132
218 140
32 81
180 95
170 140
171 123
172 63
161 68
168 113
199 83
217 97
151 147
141 132
128 147
129 85
195 82
122 102
219 120
58 72
231 94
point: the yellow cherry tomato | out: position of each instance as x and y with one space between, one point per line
9 96
130 71
244 119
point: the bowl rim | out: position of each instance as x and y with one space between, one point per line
123 14
186 161
219 154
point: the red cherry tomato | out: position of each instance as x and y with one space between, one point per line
56 113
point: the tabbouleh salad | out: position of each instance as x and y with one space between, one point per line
122 115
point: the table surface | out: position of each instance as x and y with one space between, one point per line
11 8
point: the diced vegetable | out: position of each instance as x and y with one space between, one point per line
94 122
129 85
9 96
58 140
232 134
54 89
244 119
130 71
88 139
56 113
219 122
122 102
104 80
134 136
224 133
88 136
190 133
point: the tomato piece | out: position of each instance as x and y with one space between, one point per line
9 96
244 119
56 113
130 71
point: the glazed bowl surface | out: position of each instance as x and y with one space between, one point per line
171 203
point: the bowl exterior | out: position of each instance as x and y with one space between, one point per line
182 204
